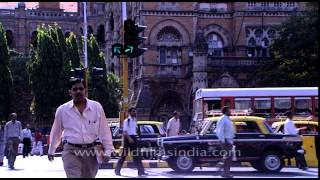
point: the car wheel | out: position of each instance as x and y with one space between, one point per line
271 162
184 164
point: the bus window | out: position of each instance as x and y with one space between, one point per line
303 105
316 106
214 104
242 103
262 106
281 105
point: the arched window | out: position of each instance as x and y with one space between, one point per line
100 34
9 37
112 68
111 22
215 45
34 39
170 49
265 44
251 47
272 33
169 34
90 30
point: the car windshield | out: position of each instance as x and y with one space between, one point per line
267 126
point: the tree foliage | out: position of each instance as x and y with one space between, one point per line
6 83
73 51
294 52
49 73
107 89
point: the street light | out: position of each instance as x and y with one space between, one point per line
85 44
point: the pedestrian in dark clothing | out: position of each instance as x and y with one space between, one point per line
26 135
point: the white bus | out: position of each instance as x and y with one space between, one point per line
265 102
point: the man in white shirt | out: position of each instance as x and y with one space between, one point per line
225 132
81 124
130 143
13 135
173 126
26 140
290 129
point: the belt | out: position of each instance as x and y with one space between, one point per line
82 145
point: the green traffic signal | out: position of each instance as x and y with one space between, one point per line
117 49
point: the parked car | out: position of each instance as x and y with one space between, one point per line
147 134
309 137
254 142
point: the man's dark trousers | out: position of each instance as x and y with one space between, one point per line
26 146
135 153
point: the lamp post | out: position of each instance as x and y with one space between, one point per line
86 72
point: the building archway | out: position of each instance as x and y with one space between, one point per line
152 39
101 34
164 106
10 38
90 30
34 39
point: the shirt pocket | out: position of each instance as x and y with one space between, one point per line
92 128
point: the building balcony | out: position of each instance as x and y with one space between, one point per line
166 70
7 12
236 61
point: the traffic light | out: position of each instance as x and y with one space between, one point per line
77 73
97 73
132 40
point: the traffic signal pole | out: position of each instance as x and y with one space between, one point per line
86 72
124 60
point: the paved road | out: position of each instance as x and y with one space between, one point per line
37 167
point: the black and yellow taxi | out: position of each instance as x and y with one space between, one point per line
309 137
254 143
147 134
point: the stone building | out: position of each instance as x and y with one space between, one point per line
194 45
191 45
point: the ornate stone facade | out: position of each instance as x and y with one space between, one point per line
195 45
190 45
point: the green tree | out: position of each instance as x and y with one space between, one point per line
6 82
294 52
107 89
73 51
47 70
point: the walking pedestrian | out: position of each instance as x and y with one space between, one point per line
26 135
13 135
2 142
290 128
82 125
173 126
130 143
225 132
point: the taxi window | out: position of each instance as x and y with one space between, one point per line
311 128
247 127
146 129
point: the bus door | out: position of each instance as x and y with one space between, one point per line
227 101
